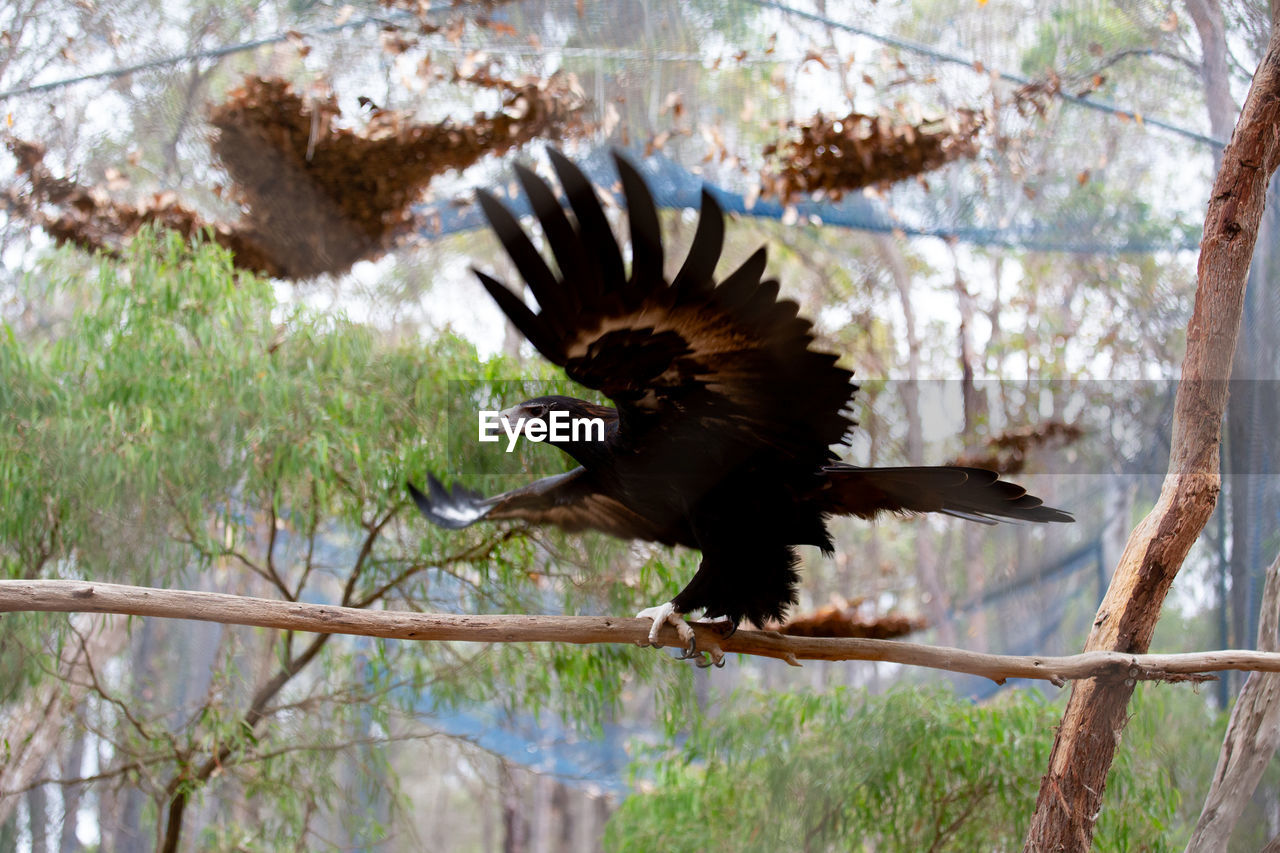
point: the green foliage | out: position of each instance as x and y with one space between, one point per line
187 430
909 770
1071 39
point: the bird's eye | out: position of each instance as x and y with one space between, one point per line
537 411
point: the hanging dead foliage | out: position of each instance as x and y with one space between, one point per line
847 619
317 197
834 156
88 217
320 197
1008 452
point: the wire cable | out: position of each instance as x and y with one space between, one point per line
925 50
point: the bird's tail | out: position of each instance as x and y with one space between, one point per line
973 493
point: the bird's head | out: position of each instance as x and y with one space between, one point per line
575 426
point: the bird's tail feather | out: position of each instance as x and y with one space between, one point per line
973 493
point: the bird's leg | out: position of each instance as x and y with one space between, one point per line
726 626
666 614
723 624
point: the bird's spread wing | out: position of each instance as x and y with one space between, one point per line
695 355
565 500
973 493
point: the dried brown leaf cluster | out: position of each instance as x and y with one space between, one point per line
317 197
429 22
1035 97
846 619
320 197
833 156
1008 452
89 218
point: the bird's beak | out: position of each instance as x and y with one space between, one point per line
513 415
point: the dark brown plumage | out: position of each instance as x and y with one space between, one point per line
725 415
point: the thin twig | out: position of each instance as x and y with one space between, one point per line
374 528
273 528
96 684
71 596
480 551
309 563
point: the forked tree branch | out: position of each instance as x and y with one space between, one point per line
1084 745
65 596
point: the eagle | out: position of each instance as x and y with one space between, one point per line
724 418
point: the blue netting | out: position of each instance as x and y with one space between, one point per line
674 186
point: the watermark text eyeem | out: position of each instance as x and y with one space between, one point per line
562 426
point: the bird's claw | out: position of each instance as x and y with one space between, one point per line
666 614
726 627
691 652
714 656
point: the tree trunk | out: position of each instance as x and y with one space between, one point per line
1071 790
38 818
1214 73
1251 739
71 794
1239 489
1215 78
515 823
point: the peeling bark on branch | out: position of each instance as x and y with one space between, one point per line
1084 747
64 596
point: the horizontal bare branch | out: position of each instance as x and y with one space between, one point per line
74 596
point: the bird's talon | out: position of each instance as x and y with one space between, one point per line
690 652
711 657
666 614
